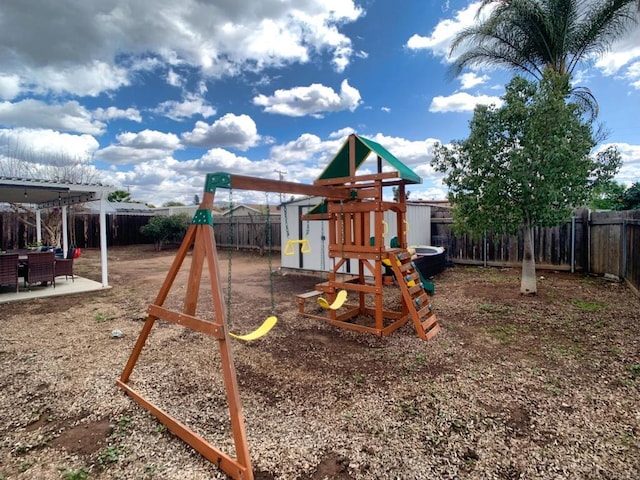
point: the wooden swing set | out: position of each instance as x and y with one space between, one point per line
350 203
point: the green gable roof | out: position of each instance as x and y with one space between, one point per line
339 166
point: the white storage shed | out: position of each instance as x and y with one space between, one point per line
298 235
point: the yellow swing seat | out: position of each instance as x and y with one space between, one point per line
337 303
262 330
289 249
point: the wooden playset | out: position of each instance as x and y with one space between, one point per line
354 208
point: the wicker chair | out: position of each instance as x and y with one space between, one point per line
64 266
41 268
9 270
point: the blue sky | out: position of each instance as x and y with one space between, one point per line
152 95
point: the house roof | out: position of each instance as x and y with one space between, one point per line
339 166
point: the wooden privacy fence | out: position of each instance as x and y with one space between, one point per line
615 245
247 232
561 247
600 243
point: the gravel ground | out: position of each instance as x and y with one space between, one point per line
513 387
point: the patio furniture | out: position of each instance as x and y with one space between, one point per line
64 266
40 268
9 270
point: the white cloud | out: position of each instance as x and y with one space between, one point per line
342 133
89 79
314 100
9 86
470 80
122 155
112 113
633 75
37 144
191 106
462 102
622 52
236 131
69 116
301 149
140 147
416 154
174 79
150 139
219 38
439 42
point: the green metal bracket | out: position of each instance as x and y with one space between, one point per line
353 194
217 180
202 217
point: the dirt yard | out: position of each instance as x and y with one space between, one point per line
512 388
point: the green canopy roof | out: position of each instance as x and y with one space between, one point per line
339 166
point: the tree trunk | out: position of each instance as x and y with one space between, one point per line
528 280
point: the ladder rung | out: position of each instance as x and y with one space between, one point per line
415 289
406 266
412 276
404 256
433 332
425 311
421 300
429 322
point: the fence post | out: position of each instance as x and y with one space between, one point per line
624 248
484 248
573 244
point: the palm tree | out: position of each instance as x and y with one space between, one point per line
530 36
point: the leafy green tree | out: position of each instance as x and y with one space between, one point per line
119 196
631 198
524 165
531 36
607 196
396 194
162 229
173 204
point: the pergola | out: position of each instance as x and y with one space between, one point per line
42 194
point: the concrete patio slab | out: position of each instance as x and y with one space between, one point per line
63 287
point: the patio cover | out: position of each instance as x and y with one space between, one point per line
47 193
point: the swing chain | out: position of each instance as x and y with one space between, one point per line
268 239
230 255
286 222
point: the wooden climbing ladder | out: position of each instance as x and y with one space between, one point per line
414 295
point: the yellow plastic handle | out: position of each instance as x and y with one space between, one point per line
289 249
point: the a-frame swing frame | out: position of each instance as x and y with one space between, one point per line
200 238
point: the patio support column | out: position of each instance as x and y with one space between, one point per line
103 239
38 227
65 233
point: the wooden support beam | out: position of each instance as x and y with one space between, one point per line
354 179
242 182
